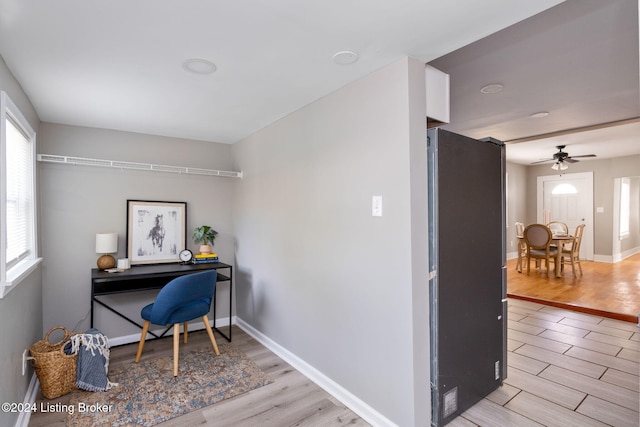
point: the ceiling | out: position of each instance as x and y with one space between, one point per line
578 61
119 64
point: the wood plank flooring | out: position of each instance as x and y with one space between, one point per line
291 400
605 289
564 369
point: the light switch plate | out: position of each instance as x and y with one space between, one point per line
376 206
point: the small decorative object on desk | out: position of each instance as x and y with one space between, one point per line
205 235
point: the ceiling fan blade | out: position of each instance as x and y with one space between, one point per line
542 161
571 160
584 155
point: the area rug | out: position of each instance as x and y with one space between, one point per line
149 394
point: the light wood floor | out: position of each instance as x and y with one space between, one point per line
291 400
564 369
605 289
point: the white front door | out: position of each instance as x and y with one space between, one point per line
569 198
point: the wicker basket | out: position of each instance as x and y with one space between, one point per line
56 370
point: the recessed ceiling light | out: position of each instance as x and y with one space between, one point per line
345 57
199 66
539 114
492 88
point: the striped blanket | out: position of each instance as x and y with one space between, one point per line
92 348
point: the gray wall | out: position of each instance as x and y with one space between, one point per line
77 202
516 204
21 309
604 172
344 291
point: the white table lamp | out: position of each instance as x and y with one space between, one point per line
106 244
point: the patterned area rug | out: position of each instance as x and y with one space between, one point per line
149 394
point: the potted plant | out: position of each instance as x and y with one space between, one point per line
204 235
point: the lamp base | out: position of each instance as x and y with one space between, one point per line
106 261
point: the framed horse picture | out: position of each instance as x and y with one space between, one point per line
156 231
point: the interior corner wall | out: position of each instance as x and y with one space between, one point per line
418 110
20 309
316 272
76 202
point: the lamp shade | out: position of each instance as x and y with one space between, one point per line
106 243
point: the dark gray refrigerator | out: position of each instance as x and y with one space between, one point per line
467 280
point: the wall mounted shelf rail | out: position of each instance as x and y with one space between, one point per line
117 164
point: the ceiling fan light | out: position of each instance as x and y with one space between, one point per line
559 166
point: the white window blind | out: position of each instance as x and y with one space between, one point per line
18 250
19 194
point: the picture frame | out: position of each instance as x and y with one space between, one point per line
156 231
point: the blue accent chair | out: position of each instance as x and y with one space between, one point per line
183 299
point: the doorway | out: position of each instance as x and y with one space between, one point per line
568 198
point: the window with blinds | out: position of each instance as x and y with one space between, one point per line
18 252
19 194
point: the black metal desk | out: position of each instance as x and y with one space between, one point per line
146 277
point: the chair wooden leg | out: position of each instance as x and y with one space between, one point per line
205 320
573 267
185 331
579 266
176 348
143 336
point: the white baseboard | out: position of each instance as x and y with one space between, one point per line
365 411
29 399
612 259
603 258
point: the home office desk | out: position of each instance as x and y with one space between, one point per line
145 277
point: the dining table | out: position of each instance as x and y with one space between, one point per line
559 240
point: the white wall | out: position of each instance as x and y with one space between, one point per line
317 273
77 202
21 309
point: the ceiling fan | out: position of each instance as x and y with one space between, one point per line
562 156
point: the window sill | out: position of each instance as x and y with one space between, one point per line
17 274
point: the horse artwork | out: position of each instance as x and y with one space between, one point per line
156 231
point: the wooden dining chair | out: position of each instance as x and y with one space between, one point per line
572 255
538 239
522 247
